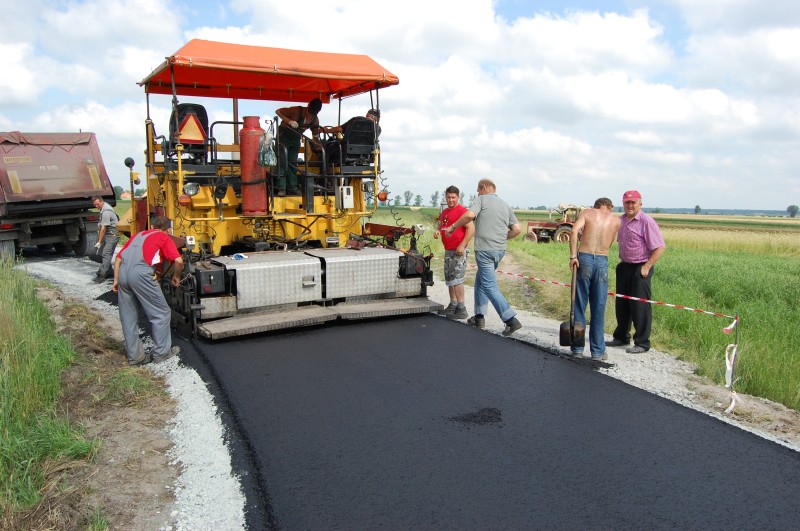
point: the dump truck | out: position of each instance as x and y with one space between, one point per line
47 181
258 259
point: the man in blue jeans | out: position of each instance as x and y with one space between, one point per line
495 223
596 228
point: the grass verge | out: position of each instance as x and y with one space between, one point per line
32 356
52 376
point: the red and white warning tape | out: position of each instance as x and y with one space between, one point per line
726 330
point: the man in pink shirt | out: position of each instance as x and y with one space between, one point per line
640 247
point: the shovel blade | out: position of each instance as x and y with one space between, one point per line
565 335
578 335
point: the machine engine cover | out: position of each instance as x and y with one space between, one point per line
272 278
359 272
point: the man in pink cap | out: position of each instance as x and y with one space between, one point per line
640 247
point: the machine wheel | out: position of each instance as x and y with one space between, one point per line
562 235
85 244
531 237
8 250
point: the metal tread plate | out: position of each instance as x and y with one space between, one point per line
254 323
311 315
386 307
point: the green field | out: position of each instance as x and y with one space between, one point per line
733 266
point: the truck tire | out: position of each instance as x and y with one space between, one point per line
562 235
85 244
8 250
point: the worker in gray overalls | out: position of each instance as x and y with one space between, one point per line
137 281
107 238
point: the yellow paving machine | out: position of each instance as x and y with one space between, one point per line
260 258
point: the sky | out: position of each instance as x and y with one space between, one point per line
691 102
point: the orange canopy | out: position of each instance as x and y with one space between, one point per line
222 70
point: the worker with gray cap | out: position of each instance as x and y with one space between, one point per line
640 247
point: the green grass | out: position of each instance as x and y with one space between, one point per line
130 387
97 521
32 356
751 273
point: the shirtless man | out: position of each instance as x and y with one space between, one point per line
600 228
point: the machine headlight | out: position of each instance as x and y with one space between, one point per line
191 189
368 186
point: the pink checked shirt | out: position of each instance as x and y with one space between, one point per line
638 238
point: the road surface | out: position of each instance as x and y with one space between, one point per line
425 423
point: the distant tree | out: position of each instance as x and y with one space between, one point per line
435 199
461 198
118 191
540 207
472 198
656 210
418 200
139 192
697 209
792 210
408 195
397 200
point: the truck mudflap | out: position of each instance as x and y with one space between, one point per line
312 315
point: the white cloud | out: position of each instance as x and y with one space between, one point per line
17 82
588 42
737 16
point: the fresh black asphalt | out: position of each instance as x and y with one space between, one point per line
423 423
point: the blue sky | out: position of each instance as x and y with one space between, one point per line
693 102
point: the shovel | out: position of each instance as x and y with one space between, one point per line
572 334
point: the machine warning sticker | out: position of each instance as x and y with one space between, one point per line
17 160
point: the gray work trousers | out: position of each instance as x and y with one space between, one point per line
107 248
137 287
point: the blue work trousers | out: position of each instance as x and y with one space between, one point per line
591 287
486 288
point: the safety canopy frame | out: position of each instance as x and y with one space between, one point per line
212 69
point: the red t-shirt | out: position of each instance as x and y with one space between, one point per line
156 248
447 218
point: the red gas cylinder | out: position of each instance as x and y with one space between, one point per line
254 186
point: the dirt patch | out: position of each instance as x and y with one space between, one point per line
128 483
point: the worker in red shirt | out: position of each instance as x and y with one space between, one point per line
455 253
138 269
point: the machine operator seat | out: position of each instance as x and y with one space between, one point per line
195 142
359 140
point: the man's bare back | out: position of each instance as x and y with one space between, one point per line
600 227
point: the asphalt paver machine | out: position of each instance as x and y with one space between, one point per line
259 260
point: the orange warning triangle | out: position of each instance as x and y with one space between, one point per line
191 130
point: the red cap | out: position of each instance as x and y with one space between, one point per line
631 195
